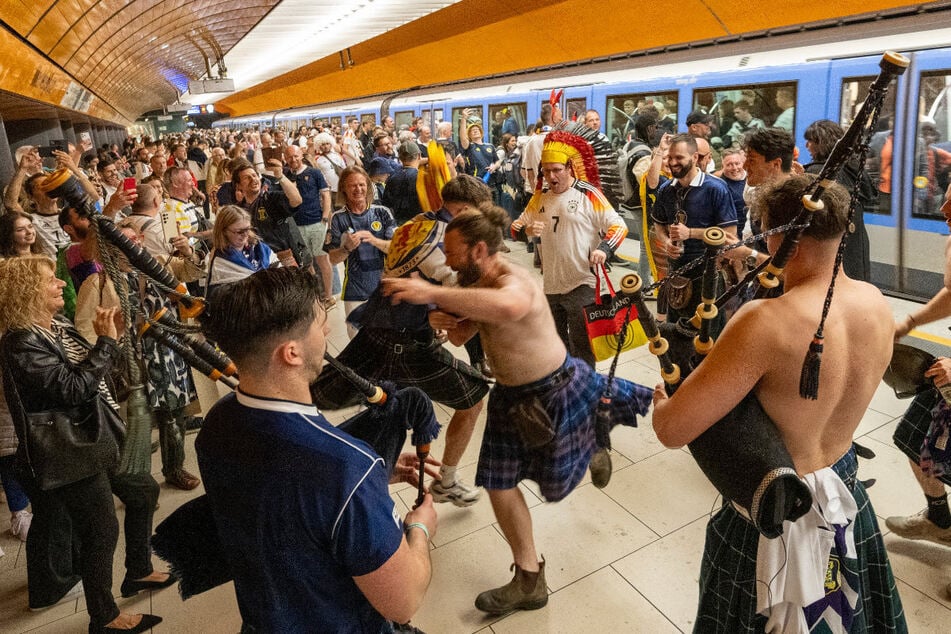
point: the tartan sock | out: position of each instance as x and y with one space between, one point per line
938 511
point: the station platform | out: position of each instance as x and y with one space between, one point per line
622 559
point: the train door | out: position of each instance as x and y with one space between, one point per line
925 165
903 222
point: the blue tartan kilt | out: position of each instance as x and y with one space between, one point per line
570 396
728 570
911 431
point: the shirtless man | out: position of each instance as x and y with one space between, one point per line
506 306
761 350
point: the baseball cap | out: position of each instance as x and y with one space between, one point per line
408 150
699 116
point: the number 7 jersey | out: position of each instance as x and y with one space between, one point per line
577 222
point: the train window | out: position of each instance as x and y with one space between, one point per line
474 117
854 91
933 158
336 122
404 117
506 118
320 122
760 105
575 109
621 113
371 117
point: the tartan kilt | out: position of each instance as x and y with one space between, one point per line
728 570
910 433
570 396
408 360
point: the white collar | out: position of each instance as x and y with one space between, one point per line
276 405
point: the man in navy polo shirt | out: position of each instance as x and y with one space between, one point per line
312 215
686 205
302 509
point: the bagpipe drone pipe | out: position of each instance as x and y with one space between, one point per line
188 539
743 455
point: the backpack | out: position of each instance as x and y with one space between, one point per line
629 155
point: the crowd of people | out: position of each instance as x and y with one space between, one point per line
258 222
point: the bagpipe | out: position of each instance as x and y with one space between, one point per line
188 539
136 451
743 455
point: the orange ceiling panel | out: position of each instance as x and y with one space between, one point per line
486 37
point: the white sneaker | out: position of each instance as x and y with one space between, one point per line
20 524
458 493
918 526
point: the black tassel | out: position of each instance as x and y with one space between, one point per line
809 377
602 423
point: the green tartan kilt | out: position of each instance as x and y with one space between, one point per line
728 570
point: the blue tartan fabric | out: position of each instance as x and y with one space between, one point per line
728 571
570 396
911 431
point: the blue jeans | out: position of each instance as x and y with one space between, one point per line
17 498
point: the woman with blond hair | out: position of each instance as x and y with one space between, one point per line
238 252
49 369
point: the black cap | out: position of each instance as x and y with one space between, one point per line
699 116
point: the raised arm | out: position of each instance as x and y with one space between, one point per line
463 133
30 161
505 303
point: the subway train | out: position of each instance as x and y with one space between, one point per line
909 157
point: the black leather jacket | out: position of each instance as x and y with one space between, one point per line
42 375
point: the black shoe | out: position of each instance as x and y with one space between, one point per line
131 587
147 623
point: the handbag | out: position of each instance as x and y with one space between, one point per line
604 318
59 447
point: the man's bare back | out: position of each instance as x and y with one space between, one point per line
856 350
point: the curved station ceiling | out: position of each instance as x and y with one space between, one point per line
116 59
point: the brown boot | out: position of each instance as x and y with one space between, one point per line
526 591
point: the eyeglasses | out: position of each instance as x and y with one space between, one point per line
703 156
240 232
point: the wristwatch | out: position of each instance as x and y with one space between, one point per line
751 260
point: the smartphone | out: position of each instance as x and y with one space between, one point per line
46 151
272 153
129 184
169 224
